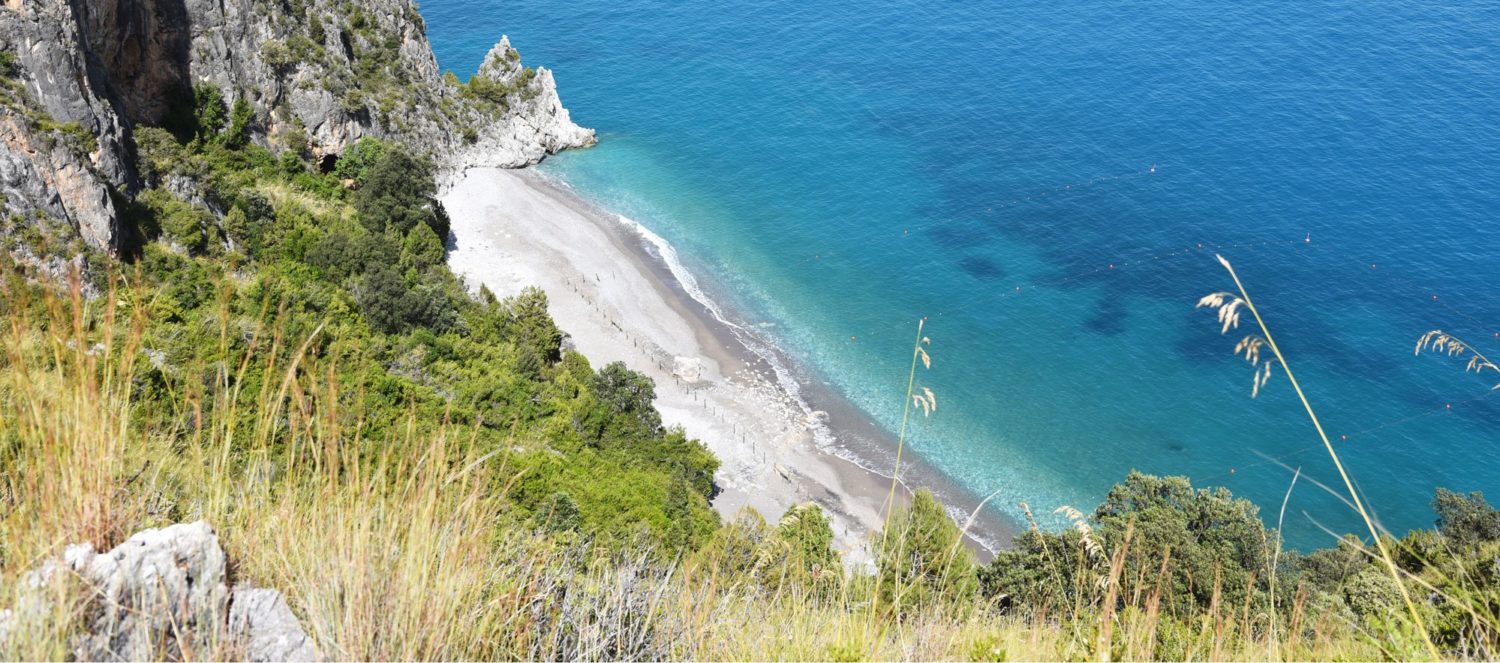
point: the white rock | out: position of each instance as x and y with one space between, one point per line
261 620
688 369
162 595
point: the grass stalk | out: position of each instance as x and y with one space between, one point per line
911 383
1338 463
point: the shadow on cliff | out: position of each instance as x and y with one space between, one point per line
139 53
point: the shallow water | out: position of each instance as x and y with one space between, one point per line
836 171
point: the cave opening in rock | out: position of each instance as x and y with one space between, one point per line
327 163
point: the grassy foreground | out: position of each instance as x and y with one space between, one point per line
403 549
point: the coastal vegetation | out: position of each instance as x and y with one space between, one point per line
428 471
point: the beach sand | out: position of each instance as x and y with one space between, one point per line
612 291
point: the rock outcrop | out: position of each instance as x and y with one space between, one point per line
163 595
318 74
539 124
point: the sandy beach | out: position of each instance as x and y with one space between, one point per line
610 288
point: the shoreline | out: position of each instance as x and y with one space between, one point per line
611 285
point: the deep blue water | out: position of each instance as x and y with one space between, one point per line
841 169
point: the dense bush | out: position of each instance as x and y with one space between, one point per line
500 94
397 192
1466 519
358 158
922 558
393 306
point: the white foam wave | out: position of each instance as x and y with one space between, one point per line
755 342
764 348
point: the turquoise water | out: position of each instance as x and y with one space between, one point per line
841 169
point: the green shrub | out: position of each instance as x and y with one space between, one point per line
316 31
278 56
921 559
187 225
240 117
10 65
1466 519
210 113
561 514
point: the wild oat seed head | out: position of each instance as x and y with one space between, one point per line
1229 307
1438 341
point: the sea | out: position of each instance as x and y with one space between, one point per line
1045 186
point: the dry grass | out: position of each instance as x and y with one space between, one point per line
281 193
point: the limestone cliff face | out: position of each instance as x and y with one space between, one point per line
319 74
53 84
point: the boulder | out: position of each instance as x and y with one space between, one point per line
162 595
687 369
262 622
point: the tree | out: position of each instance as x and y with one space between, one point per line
1213 546
383 300
237 226
1209 533
809 558
240 117
738 549
532 328
397 191
209 110
1466 519
390 306
421 249
629 396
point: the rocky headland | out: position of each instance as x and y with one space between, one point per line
317 76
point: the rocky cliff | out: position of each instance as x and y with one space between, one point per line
78 75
